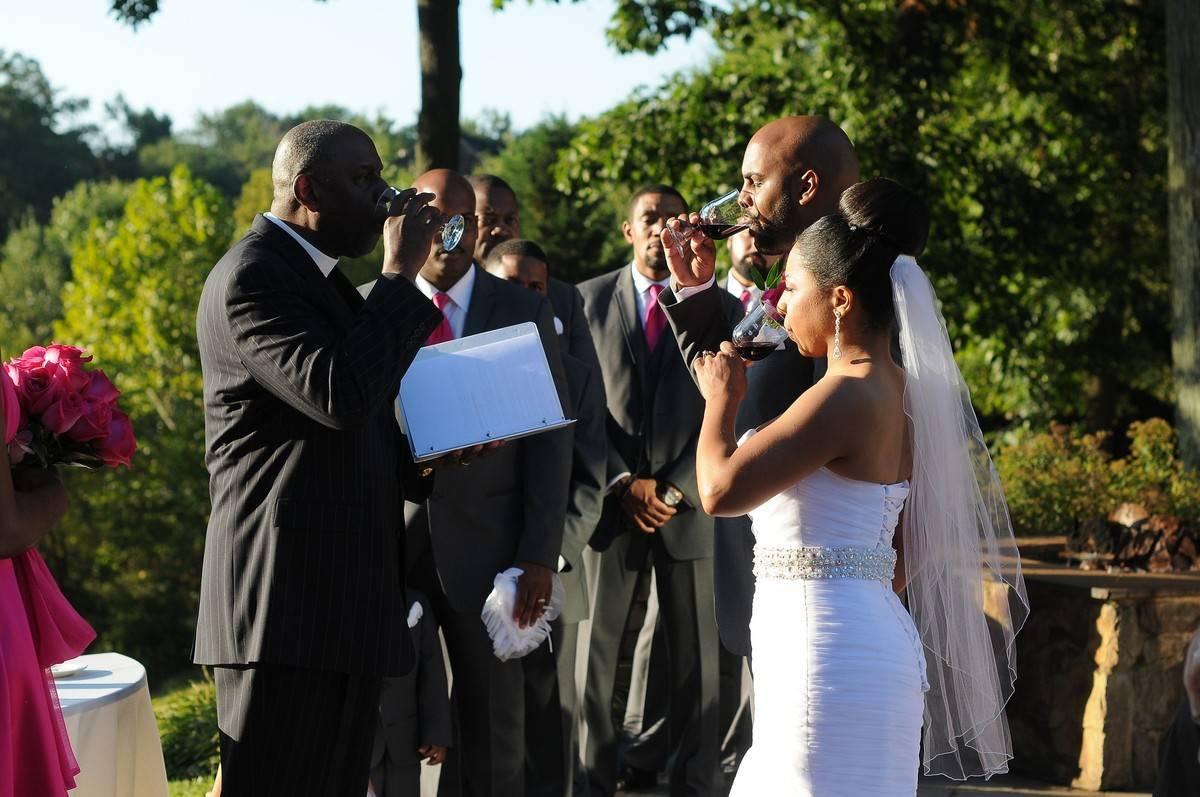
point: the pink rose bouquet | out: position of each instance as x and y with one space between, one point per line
64 412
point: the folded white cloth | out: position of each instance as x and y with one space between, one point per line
415 613
510 641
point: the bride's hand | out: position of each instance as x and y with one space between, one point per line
694 262
721 374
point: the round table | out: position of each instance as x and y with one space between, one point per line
113 732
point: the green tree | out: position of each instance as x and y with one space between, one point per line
44 153
1041 152
35 261
129 550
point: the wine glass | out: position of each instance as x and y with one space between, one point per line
719 219
761 331
451 232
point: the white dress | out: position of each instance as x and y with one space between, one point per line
839 672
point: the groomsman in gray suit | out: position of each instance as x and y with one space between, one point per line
651 514
506 510
498 212
524 263
303 567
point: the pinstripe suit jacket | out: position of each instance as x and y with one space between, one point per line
302 565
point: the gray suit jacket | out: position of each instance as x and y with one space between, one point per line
585 498
302 564
576 338
701 323
508 506
654 414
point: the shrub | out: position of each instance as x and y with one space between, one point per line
187 725
1057 479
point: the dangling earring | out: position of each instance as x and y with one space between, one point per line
837 334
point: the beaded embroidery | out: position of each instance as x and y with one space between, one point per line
872 564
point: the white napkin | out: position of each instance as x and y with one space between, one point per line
415 613
510 641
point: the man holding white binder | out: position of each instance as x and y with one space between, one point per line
505 510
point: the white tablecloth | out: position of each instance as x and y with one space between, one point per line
112 729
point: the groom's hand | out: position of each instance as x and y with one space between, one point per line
644 508
534 587
408 233
694 262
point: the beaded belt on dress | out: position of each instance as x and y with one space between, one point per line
874 564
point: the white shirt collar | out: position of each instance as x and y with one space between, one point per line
323 261
736 288
459 293
642 283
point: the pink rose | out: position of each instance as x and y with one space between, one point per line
93 423
118 446
67 365
100 389
60 416
32 358
18 447
37 388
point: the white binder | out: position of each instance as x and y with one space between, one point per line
491 386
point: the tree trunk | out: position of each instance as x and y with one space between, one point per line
441 79
1183 187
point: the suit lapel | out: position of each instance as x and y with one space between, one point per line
631 328
298 259
483 299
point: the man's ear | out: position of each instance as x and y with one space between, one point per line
304 189
627 231
807 186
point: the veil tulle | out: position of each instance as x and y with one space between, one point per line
965 590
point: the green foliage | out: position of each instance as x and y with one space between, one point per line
1056 479
44 155
255 198
581 235
1041 151
191 787
35 262
128 553
187 726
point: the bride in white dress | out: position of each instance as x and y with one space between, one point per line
873 486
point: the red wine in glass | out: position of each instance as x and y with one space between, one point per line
754 350
721 231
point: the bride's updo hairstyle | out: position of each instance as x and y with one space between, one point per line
877 221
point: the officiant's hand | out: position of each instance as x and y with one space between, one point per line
721 374
408 233
534 588
697 262
644 508
462 457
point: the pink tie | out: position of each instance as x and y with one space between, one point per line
443 332
747 296
656 320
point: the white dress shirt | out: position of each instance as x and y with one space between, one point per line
460 299
736 288
323 261
682 293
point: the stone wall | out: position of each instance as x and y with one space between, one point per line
1099 665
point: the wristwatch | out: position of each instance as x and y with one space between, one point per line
671 496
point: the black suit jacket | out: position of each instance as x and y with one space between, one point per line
654 413
701 323
576 338
302 564
508 506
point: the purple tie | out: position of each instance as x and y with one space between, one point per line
656 320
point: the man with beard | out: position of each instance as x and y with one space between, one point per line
793 172
651 517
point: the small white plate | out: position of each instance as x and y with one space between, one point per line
68 668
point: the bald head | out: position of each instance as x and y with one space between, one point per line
313 147
453 196
795 170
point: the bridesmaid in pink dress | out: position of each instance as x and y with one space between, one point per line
38 628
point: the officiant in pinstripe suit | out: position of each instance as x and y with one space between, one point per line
302 581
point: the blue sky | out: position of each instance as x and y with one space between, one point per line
203 55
